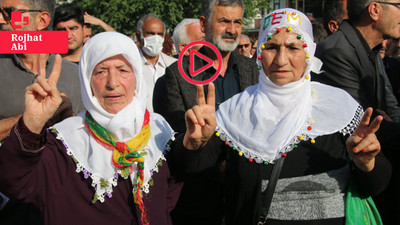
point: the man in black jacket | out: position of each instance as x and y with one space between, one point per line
351 62
201 201
350 55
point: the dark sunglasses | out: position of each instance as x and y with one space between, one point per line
397 4
245 45
6 12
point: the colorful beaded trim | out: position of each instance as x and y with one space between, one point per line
105 185
297 139
293 144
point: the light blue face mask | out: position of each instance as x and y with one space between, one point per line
153 45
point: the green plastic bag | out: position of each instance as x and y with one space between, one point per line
360 210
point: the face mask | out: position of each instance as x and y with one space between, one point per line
153 45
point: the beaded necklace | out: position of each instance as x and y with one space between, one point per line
125 154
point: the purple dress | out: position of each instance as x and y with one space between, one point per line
37 169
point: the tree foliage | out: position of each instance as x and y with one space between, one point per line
123 15
252 8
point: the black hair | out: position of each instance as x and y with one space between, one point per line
68 12
333 10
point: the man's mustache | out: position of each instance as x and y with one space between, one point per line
228 35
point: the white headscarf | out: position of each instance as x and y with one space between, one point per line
97 49
278 117
92 157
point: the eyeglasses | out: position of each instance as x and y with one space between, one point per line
6 12
397 4
245 45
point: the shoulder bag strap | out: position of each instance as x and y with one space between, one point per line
267 195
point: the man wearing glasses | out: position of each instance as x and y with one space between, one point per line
244 45
351 62
17 71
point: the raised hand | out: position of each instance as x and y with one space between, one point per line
200 120
42 97
91 19
98 22
363 145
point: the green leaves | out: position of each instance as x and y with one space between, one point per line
123 15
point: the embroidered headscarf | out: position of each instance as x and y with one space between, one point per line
93 158
267 120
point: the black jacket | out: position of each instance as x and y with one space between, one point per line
348 65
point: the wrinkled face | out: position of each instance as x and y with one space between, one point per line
389 21
224 27
75 34
113 83
244 46
5 24
153 27
283 58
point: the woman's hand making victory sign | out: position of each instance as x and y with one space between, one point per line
200 120
363 145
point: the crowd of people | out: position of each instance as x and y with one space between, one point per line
298 118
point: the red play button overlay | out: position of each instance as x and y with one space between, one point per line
194 53
209 64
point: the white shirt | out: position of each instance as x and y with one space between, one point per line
152 73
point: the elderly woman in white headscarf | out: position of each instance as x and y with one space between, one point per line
105 166
287 120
